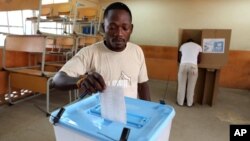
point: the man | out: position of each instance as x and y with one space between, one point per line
189 56
110 62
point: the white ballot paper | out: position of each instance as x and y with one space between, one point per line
113 104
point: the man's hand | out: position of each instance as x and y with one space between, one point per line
92 82
143 91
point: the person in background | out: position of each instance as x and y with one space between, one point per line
108 62
188 57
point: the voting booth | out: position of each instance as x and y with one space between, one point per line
82 121
215 45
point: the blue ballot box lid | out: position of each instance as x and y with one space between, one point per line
144 119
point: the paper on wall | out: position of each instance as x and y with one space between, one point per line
211 45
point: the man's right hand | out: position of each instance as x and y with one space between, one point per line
92 82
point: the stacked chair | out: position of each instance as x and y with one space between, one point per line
32 76
44 54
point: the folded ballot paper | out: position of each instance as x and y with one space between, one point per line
112 102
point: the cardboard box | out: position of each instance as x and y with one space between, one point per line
215 45
207 86
213 59
82 121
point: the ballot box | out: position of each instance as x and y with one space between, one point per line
82 121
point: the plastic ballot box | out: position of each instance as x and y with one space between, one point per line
82 121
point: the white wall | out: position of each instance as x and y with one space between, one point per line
156 22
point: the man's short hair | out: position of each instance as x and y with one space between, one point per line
117 6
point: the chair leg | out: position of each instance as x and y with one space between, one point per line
70 96
47 96
76 94
9 92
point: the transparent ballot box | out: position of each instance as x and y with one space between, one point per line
82 121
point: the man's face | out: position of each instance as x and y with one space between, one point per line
117 27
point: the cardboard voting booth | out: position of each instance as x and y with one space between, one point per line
82 121
215 49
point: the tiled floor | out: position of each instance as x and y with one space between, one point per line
24 122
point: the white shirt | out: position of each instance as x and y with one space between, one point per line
190 52
126 68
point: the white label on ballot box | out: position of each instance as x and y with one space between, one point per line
113 104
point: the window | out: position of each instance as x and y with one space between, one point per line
51 27
14 22
3 16
2 37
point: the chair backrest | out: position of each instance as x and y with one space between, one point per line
50 43
46 11
90 13
87 40
24 43
65 42
83 41
63 10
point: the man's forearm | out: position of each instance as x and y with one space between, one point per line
91 82
64 82
143 91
